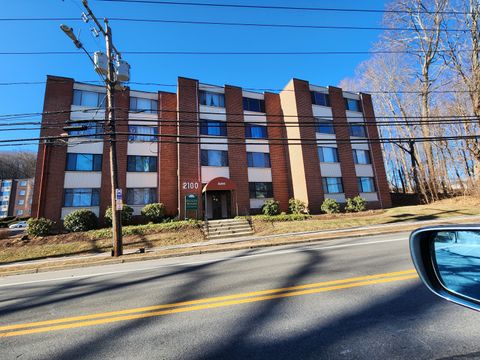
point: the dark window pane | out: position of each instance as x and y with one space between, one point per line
353 105
255 131
319 98
204 157
357 131
214 158
325 126
212 99
141 163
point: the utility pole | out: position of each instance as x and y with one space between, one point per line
111 82
113 77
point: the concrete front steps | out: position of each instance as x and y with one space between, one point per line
228 228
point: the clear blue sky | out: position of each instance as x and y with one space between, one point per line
246 71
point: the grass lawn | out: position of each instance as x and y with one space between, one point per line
98 241
460 206
182 232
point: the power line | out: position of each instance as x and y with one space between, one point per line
88 109
241 24
237 53
272 7
242 141
367 91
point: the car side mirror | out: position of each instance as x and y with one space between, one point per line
447 258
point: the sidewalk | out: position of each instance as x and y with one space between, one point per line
218 245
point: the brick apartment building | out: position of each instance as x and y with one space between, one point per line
223 144
16 197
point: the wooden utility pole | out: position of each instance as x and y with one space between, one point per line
111 82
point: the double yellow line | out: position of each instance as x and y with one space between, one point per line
200 304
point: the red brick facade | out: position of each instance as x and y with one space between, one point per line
295 164
237 153
51 158
278 152
381 183
167 151
189 148
344 147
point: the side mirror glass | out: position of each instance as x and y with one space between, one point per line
457 255
448 262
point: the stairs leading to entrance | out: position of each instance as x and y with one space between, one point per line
221 229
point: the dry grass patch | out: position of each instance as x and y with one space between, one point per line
460 206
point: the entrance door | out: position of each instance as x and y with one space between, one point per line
216 206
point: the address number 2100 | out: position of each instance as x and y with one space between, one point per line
190 185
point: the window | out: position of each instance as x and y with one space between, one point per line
255 131
89 98
84 162
81 197
213 128
141 196
361 157
319 98
21 193
332 185
23 183
214 158
212 99
366 184
93 130
4 202
325 126
7 183
19 212
258 159
353 105
148 106
260 190
328 154
250 104
21 202
142 133
358 130
136 163
6 190
3 213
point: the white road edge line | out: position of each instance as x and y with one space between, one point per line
270 253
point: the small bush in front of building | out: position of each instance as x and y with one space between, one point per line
154 212
80 220
39 226
356 204
330 206
271 207
296 206
127 214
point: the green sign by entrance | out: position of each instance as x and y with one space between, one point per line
191 202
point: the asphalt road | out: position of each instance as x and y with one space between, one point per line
342 299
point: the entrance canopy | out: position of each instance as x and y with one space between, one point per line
219 183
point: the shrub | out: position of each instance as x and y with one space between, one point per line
154 212
271 207
39 226
127 213
356 204
283 217
297 207
80 220
330 206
